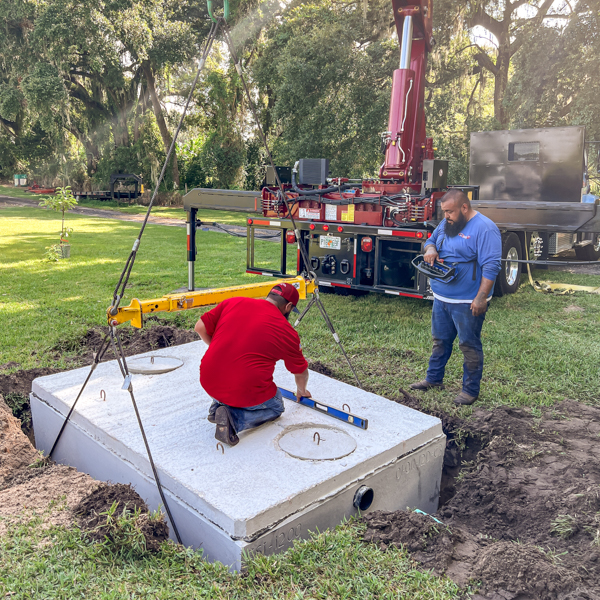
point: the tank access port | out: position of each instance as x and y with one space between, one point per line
363 498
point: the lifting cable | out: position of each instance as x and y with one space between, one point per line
283 196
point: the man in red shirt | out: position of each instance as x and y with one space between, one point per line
245 338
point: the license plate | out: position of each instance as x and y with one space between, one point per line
330 241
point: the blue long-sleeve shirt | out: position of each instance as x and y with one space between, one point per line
475 252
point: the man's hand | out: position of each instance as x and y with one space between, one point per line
302 394
301 381
479 306
431 254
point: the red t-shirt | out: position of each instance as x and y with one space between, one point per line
248 337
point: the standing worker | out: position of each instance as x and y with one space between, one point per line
472 244
245 338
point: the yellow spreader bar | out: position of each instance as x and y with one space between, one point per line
186 300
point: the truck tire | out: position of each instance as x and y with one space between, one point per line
591 251
509 277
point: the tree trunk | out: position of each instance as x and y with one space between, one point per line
500 85
160 120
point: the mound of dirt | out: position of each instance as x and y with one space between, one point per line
523 517
134 341
24 488
48 490
91 519
16 451
318 367
525 571
430 542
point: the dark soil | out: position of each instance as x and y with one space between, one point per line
89 513
520 505
319 367
134 341
19 382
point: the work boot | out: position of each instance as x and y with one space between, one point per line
225 432
464 399
425 385
211 413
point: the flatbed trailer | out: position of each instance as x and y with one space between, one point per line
116 194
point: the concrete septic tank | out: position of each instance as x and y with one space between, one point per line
280 482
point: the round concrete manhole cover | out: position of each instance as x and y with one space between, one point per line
153 365
316 442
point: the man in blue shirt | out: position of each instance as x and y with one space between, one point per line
472 244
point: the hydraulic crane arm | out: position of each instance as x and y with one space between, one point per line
186 300
406 144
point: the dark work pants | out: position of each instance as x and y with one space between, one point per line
448 320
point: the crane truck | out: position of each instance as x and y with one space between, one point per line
363 236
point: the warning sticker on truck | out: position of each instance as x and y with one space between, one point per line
330 212
330 241
309 213
348 215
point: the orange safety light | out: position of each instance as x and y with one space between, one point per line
325 227
250 221
340 229
312 226
419 234
290 237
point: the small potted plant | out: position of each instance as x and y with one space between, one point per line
62 201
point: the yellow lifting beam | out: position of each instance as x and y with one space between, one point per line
186 300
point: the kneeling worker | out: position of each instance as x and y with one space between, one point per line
246 337
472 244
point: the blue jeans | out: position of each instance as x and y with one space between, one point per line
448 320
252 416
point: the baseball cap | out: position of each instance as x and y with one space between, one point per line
287 292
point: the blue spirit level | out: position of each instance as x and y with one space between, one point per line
336 413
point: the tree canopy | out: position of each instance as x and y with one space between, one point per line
87 89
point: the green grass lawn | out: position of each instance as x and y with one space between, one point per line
171 212
58 563
539 349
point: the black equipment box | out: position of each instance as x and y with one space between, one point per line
285 175
313 171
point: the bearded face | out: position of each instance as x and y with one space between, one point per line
454 227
